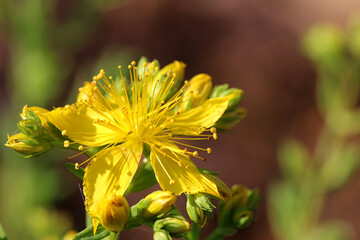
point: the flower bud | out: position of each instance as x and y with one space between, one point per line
223 190
176 226
113 213
223 91
197 92
161 235
242 218
25 145
160 203
229 119
173 74
196 214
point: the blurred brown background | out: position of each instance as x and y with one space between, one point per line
250 44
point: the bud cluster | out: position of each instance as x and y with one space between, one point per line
199 208
35 135
237 212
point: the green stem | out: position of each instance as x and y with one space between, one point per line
218 234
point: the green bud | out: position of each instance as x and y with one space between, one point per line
175 226
162 235
223 90
242 218
324 44
25 145
31 128
229 119
198 90
195 212
160 203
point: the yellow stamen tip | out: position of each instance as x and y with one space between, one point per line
133 63
195 154
129 66
215 136
172 182
213 130
81 147
119 67
63 132
76 166
66 143
208 150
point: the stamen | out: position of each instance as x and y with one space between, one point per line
63 132
66 143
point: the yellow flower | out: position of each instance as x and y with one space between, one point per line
123 122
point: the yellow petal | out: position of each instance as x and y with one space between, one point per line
204 116
78 121
109 174
176 173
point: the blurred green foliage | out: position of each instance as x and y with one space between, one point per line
41 48
295 202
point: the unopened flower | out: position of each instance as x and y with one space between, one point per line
160 202
25 145
113 212
197 92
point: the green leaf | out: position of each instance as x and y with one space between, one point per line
2 233
293 158
340 165
88 234
79 173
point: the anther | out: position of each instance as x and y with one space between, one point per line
66 143
215 136
129 66
208 150
213 130
172 182
195 154
81 147
119 67
63 132
133 63
76 166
